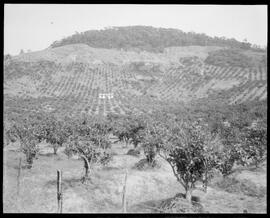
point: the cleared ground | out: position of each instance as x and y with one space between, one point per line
103 192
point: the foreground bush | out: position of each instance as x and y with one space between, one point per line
91 142
190 153
25 132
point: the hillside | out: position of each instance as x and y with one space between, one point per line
83 53
146 38
101 81
196 111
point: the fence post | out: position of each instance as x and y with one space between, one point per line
124 201
59 191
18 176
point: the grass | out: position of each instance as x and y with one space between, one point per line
103 191
246 187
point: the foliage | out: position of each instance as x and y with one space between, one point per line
191 154
9 133
25 131
128 128
146 38
91 143
55 132
152 139
232 150
120 127
229 58
254 143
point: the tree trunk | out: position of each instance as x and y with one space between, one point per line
126 141
29 160
87 170
188 195
86 167
205 182
55 148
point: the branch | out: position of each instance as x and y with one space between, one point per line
178 179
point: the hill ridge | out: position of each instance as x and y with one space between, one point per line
146 38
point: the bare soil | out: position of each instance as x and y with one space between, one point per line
146 189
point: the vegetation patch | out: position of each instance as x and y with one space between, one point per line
133 152
229 57
146 38
232 185
145 165
178 204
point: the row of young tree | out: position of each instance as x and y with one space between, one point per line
234 58
193 148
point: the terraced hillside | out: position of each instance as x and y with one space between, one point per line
77 78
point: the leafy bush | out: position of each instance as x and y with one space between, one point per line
128 128
254 142
91 143
190 152
144 164
24 130
133 152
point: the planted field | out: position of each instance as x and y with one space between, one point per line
146 190
80 85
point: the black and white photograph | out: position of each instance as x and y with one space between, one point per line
135 108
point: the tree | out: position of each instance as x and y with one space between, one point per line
127 127
9 133
152 139
254 144
120 127
91 143
54 132
191 154
136 128
7 58
24 131
144 38
232 150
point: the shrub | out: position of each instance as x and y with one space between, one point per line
91 143
133 152
254 143
192 155
144 164
229 57
24 131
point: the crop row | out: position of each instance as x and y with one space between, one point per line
76 87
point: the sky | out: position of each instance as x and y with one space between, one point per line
35 26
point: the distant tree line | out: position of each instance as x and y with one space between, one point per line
146 38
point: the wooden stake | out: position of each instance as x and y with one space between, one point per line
124 201
59 191
18 176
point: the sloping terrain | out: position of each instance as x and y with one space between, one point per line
96 56
77 78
